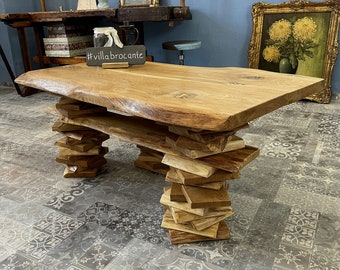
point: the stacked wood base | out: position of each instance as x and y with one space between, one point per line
198 164
197 202
81 147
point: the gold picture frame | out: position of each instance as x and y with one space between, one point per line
278 29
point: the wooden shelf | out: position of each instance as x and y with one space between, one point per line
61 60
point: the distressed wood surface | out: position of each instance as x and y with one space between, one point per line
217 99
180 237
205 198
169 223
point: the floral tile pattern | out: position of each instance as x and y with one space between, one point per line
59 225
300 229
286 203
17 261
40 245
14 234
291 258
69 195
97 257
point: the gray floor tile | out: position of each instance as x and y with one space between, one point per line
286 204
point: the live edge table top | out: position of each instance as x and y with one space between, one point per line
217 99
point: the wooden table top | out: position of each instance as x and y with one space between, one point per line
208 98
131 14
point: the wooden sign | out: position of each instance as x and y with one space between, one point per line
134 55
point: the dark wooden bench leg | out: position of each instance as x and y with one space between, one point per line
10 72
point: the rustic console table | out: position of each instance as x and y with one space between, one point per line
37 20
184 120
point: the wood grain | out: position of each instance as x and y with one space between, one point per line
188 165
181 216
180 237
194 149
219 175
171 176
165 200
205 198
169 223
216 99
176 193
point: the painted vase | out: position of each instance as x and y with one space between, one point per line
286 67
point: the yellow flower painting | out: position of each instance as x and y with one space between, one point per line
292 39
280 30
298 37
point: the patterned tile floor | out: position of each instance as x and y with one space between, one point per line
287 202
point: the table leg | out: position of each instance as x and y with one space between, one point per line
197 201
80 149
24 49
39 35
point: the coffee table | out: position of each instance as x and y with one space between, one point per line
184 119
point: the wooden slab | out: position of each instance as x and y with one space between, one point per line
73 158
84 135
218 176
150 157
232 161
151 160
68 152
204 223
220 144
147 154
116 65
188 143
61 126
188 165
75 105
180 237
165 200
205 198
169 223
84 162
67 100
79 146
176 193
213 185
131 129
204 136
193 149
70 173
80 113
172 177
217 99
180 216
152 166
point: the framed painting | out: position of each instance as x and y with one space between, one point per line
138 3
299 37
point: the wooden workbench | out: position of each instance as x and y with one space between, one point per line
37 20
184 120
